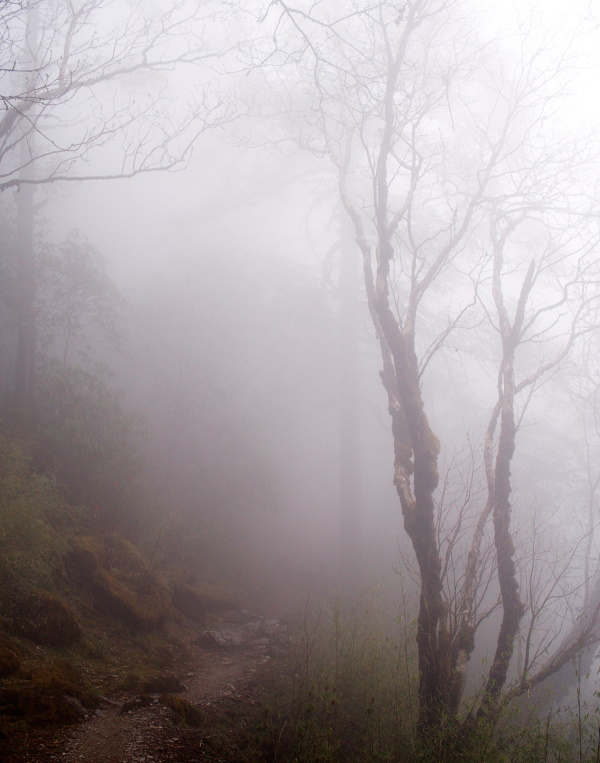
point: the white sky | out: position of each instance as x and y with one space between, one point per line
132 221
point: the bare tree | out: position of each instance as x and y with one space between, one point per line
87 92
81 77
472 208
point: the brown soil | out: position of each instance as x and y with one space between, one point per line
223 685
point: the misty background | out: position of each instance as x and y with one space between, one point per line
210 307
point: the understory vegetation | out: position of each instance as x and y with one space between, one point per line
92 604
348 693
84 612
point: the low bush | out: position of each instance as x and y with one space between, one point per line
43 617
195 601
348 692
118 575
10 659
53 694
87 440
190 714
124 605
34 519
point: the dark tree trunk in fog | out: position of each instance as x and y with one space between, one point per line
512 607
25 242
350 442
416 450
25 306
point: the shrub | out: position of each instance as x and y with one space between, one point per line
123 604
118 575
43 618
191 715
195 601
10 661
348 693
55 694
34 518
86 439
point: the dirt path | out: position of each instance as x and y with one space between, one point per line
221 683
149 734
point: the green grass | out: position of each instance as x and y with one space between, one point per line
347 693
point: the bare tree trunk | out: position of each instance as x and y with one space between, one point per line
416 450
25 246
26 291
512 606
419 521
350 444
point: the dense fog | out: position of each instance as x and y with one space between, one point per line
229 348
325 278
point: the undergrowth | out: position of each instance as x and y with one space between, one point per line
33 518
347 693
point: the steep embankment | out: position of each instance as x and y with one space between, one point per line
104 657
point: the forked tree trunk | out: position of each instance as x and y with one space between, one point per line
416 478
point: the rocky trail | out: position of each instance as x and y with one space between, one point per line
220 689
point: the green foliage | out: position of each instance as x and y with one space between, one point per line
42 617
349 692
118 575
86 439
349 695
78 304
569 734
33 519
